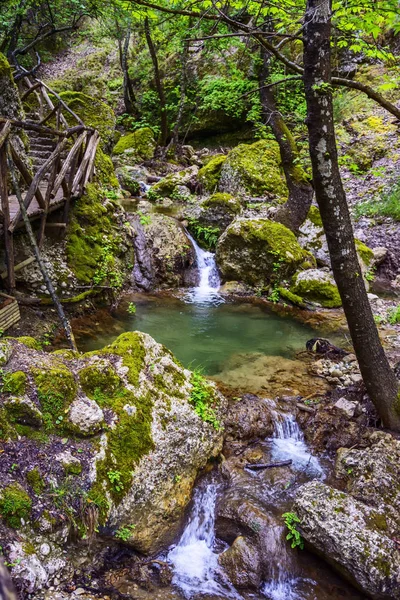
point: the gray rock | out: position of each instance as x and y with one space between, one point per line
348 407
242 564
86 416
24 411
352 537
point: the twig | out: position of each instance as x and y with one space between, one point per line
259 466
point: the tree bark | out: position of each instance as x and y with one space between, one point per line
175 133
379 379
129 94
294 212
159 85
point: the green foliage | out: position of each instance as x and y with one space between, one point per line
124 533
292 521
144 219
394 315
132 308
204 400
13 383
206 235
115 478
15 504
386 206
35 480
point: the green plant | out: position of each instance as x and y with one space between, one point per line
15 505
292 521
274 295
203 400
115 478
124 533
144 219
379 319
370 275
107 269
394 315
207 236
131 308
388 205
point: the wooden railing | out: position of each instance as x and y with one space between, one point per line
65 172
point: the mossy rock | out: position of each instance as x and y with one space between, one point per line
254 169
210 174
14 383
104 170
315 216
30 342
140 144
219 210
223 201
15 505
169 184
260 252
94 113
23 411
364 252
317 286
56 389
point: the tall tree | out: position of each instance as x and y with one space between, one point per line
159 84
378 377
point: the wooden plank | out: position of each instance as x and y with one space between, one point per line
8 236
4 132
68 161
39 128
26 174
36 180
18 267
76 186
28 91
50 103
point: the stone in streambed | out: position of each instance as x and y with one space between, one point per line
241 562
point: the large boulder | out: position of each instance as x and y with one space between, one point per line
219 210
136 146
164 253
255 170
127 436
174 184
317 286
259 252
210 174
358 540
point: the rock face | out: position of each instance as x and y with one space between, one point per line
219 210
136 146
128 438
259 252
353 537
254 169
164 253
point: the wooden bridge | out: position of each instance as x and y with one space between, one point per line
60 164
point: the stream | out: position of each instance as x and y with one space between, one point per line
229 341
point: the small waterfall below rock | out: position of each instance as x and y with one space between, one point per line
209 281
194 558
288 444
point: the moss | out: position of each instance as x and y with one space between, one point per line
377 521
105 170
315 216
35 480
99 377
66 353
93 112
210 174
28 548
140 142
5 69
365 253
15 504
224 202
92 229
73 468
14 383
7 430
56 389
255 168
23 411
323 292
73 300
30 342
129 346
291 297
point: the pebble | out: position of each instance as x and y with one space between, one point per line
45 549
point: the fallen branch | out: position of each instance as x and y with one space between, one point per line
258 467
304 408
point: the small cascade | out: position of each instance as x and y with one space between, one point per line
209 281
195 561
288 444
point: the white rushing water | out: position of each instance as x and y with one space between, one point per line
288 444
209 282
196 569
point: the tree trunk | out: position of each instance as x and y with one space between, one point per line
129 94
379 379
159 85
294 212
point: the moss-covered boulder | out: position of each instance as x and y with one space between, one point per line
259 252
124 433
317 286
136 146
219 210
255 170
94 113
210 174
174 184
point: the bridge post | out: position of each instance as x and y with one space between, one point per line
5 207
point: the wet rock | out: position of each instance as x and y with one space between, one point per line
86 416
24 411
352 537
219 211
317 286
242 564
130 178
248 417
169 184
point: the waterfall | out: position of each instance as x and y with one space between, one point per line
196 569
209 281
288 444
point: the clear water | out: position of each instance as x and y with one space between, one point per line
202 335
206 292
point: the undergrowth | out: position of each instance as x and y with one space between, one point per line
386 206
203 400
